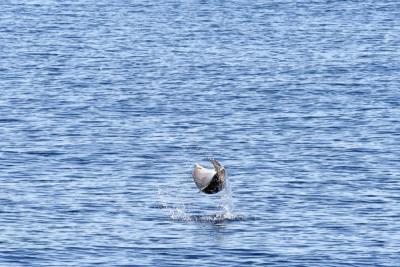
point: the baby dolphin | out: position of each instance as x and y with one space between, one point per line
207 180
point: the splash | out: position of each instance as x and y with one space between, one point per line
226 200
177 210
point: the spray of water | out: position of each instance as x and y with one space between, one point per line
176 208
227 201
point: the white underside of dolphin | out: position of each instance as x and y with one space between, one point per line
202 176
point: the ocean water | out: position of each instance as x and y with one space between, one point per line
106 106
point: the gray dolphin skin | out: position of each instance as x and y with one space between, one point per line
209 181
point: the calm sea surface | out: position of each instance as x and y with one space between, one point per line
105 106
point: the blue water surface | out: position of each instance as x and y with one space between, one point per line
105 106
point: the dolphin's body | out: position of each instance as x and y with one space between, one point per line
207 180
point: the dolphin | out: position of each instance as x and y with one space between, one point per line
207 180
